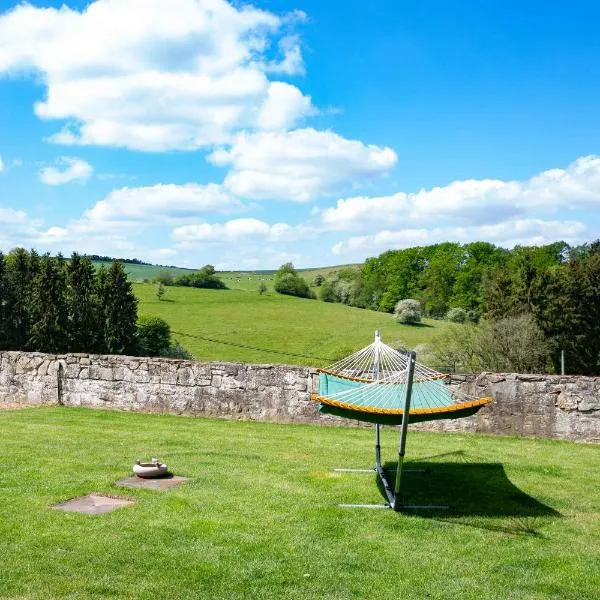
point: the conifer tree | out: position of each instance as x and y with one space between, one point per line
102 299
3 291
48 307
18 279
120 311
82 305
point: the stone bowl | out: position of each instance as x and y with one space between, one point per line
150 469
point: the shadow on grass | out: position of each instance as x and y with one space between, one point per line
478 495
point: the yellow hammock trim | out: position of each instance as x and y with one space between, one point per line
398 411
362 380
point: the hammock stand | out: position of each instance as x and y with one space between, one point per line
383 386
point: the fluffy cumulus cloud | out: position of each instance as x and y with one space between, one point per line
298 165
181 74
472 201
509 233
159 202
504 212
235 230
67 169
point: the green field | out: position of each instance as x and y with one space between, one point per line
237 280
143 272
259 518
280 329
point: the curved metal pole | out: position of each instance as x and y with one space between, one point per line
404 428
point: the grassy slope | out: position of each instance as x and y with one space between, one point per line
243 280
321 331
260 518
141 272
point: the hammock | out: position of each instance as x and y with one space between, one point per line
370 385
383 386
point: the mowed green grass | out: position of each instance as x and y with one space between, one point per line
259 518
280 329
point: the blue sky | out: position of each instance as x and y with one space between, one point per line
248 135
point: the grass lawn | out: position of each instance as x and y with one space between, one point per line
312 332
259 519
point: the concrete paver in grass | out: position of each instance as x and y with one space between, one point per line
93 504
160 483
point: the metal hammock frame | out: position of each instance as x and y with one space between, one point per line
383 374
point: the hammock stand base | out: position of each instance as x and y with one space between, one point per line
391 494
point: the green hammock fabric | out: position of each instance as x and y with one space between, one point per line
370 402
425 394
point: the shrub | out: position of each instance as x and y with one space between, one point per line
160 291
292 285
153 336
164 277
408 311
204 278
178 351
457 315
262 288
318 280
327 293
513 344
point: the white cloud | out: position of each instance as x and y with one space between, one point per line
1 165
181 74
68 169
231 231
507 234
299 165
291 62
284 104
471 202
17 228
162 201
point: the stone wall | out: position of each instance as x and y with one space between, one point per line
551 406
529 405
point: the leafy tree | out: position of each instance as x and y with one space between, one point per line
120 311
437 280
82 305
408 311
262 288
328 293
48 307
153 336
318 280
288 282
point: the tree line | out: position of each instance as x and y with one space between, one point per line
548 296
50 304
